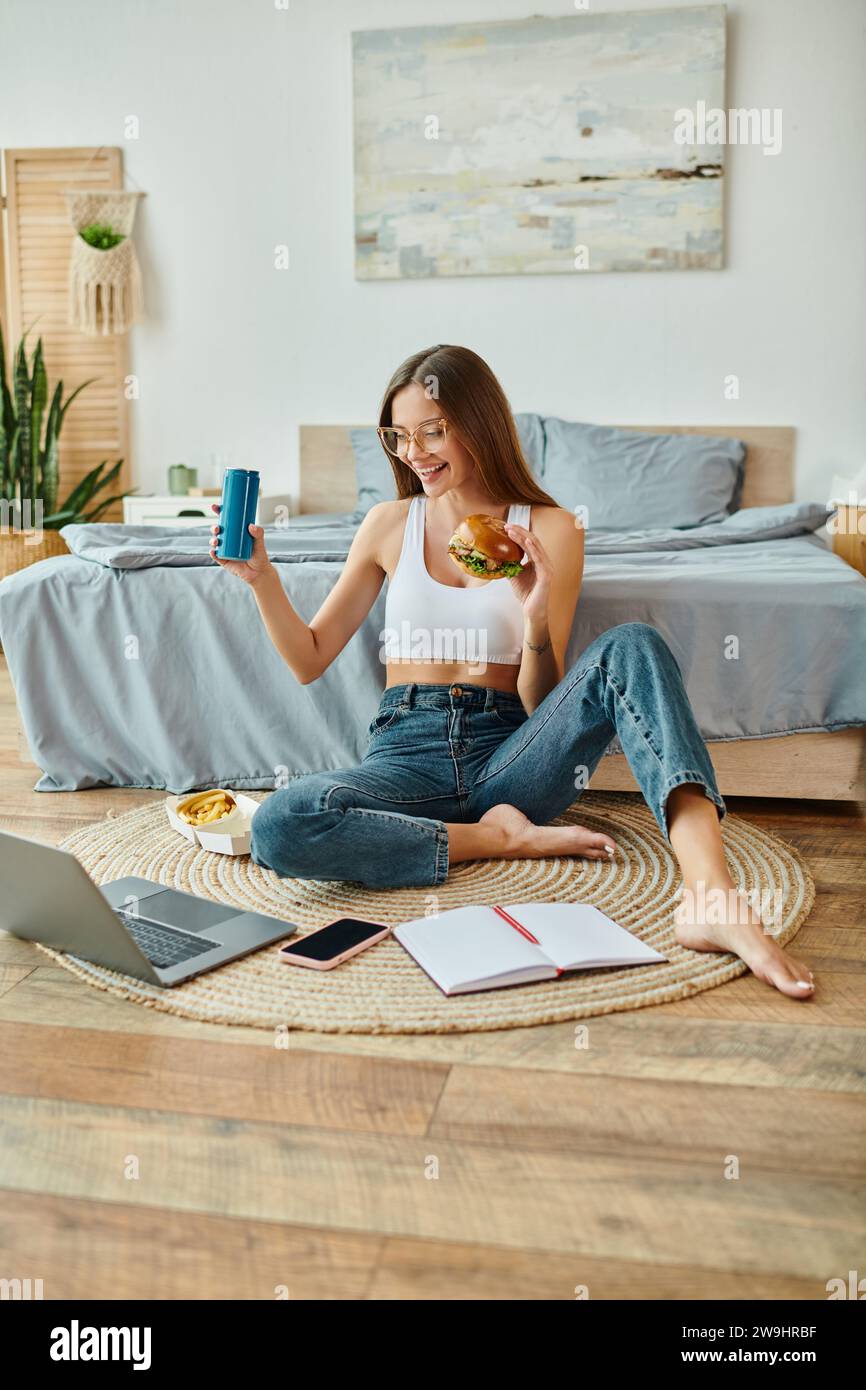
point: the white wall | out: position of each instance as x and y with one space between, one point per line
245 142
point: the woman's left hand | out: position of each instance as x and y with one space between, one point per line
532 585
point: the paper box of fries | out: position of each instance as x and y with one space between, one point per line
218 819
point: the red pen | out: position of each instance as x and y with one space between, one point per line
514 923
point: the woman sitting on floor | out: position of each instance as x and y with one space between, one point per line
480 730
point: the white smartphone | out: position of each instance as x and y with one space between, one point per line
334 943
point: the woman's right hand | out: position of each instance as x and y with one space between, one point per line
251 570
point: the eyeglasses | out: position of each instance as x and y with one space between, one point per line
429 437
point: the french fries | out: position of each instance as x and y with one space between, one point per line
205 808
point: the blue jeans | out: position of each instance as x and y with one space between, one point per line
440 753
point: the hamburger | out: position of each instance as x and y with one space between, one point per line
482 546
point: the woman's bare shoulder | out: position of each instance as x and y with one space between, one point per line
561 533
552 520
399 506
380 534
384 517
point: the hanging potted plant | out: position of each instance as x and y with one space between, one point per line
30 517
104 275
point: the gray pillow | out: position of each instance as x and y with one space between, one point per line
373 472
628 480
531 430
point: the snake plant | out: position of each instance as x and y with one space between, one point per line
29 448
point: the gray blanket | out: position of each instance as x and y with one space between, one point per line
328 537
138 662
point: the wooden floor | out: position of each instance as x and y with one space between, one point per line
146 1156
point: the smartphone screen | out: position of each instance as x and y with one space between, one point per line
334 939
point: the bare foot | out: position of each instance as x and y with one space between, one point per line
527 841
739 929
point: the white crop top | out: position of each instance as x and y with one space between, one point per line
426 621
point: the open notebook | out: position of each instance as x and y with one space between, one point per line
474 948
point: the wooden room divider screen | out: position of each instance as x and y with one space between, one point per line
35 242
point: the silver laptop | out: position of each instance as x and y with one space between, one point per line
132 925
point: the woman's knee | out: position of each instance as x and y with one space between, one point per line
283 824
640 638
636 632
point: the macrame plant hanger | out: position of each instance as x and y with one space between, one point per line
104 285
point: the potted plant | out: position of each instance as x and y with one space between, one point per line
30 518
101 235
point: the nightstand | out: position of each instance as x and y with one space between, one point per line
849 536
167 511
192 511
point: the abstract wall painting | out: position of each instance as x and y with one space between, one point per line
538 146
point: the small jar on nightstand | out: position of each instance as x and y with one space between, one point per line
848 528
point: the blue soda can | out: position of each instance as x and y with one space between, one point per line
237 512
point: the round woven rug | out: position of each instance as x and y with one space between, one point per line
382 990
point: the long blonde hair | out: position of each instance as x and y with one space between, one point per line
472 401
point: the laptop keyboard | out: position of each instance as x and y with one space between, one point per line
165 946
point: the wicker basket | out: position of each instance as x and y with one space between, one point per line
18 549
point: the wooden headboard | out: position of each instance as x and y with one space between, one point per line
328 467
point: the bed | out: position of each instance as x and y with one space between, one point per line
90 636
824 764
